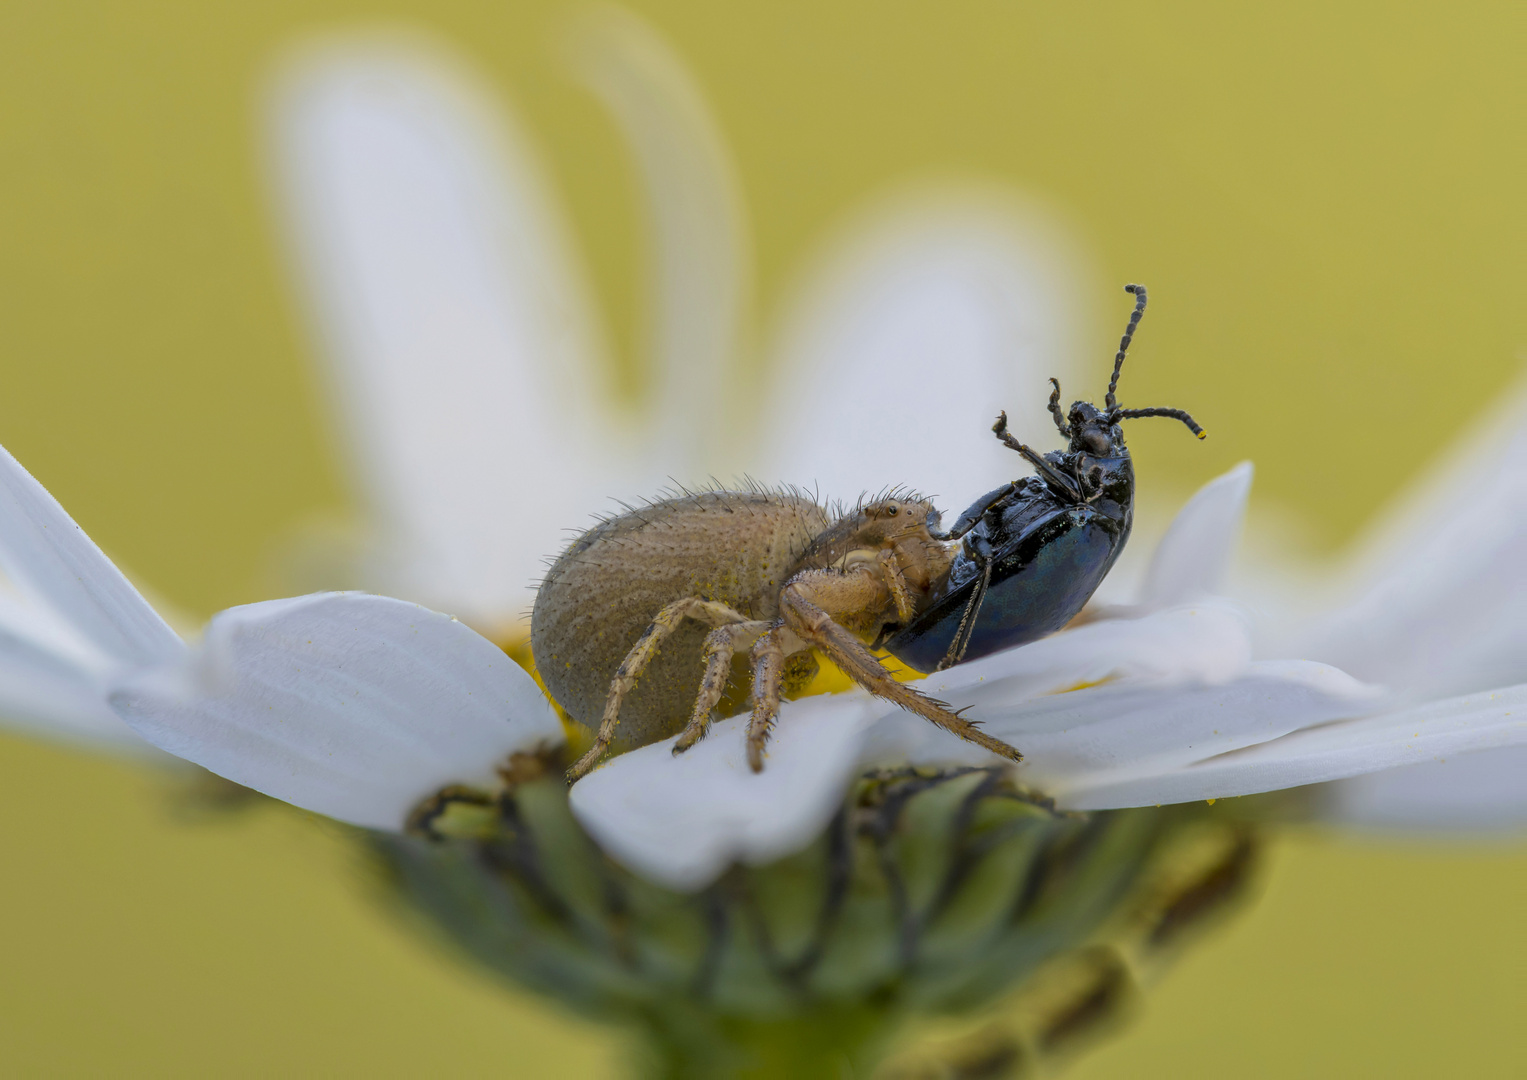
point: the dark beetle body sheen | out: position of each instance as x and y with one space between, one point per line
1048 557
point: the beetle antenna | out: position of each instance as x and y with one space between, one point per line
1176 414
1110 401
1055 410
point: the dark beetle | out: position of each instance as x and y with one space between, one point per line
1035 549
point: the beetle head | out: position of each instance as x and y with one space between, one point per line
1095 431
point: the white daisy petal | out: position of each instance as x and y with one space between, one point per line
1435 731
1205 642
51 560
1132 725
699 254
1193 556
1482 792
1132 729
352 705
459 337
925 320
682 820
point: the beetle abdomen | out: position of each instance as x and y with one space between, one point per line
735 548
1036 588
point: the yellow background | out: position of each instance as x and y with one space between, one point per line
1326 201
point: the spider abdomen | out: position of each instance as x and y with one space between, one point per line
600 596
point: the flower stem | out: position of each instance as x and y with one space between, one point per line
831 1043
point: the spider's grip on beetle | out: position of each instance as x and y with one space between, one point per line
640 626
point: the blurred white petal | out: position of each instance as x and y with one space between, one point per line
69 621
351 705
51 691
1482 792
459 339
55 565
924 320
682 820
699 252
1193 556
1432 732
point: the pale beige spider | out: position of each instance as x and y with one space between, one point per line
641 620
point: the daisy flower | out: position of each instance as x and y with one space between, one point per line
880 866
385 714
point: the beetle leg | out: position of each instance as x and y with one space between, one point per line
641 654
721 645
968 520
967 626
1051 474
1056 411
804 605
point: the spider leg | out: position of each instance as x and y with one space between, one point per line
804 609
896 582
721 645
641 654
768 674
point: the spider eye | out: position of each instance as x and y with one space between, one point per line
893 509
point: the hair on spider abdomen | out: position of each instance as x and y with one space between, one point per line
603 593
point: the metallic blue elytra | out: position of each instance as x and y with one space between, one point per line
1036 549
1047 573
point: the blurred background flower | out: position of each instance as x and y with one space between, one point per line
1322 203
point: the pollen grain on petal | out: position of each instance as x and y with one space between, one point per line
1085 684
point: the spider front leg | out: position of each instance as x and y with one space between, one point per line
808 605
896 582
